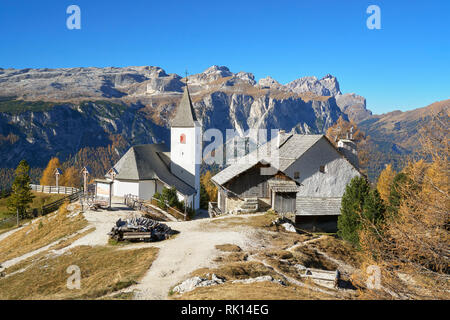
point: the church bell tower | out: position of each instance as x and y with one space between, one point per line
186 146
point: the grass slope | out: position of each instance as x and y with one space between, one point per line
103 271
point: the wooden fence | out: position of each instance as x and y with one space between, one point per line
46 209
56 204
53 189
136 203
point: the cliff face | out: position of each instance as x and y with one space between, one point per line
57 112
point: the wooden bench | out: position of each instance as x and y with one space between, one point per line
136 235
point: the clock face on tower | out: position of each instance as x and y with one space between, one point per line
182 138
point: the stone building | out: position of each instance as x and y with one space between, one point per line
301 175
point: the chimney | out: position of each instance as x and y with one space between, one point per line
280 137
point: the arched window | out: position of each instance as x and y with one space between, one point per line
183 138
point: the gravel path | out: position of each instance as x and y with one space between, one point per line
190 250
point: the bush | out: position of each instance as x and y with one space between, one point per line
168 198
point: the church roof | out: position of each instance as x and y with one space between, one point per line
148 162
185 115
293 146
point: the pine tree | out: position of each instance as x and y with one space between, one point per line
373 209
21 195
395 194
204 197
48 176
385 182
350 220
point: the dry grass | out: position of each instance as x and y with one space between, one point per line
228 247
232 257
254 291
255 221
68 242
238 270
42 232
339 250
103 271
310 258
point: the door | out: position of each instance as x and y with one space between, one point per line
285 202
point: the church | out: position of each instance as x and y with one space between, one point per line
147 169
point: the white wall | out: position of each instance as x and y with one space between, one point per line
186 158
332 183
146 189
122 188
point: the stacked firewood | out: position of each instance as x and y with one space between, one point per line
140 229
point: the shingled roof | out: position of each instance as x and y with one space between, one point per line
292 148
185 116
148 162
319 206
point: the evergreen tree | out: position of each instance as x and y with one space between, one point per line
373 209
204 197
170 195
349 222
395 195
21 195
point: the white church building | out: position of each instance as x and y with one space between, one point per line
147 169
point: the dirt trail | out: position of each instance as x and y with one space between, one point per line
190 250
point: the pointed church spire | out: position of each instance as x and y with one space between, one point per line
185 116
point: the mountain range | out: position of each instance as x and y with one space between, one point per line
72 113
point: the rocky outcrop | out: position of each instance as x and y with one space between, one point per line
354 106
327 86
198 282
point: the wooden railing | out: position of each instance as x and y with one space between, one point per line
213 210
53 189
177 214
56 204
134 202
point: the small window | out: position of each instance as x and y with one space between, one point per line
183 138
322 169
296 175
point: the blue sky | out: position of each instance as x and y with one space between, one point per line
405 65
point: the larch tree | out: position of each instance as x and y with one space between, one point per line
48 176
384 182
71 177
210 188
412 246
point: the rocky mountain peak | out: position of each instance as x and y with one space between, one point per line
269 82
327 86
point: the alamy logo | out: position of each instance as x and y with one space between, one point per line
74 20
74 281
374 20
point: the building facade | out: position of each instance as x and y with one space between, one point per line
308 179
